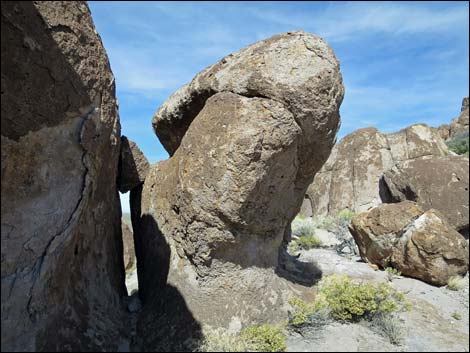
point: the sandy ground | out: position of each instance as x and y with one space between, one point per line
428 326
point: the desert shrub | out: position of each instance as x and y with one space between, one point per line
351 302
456 283
302 227
264 338
392 273
390 326
325 222
304 314
346 215
305 242
220 340
459 144
456 316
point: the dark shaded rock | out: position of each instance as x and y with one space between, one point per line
133 166
62 268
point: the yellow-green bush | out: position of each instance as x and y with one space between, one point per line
456 283
350 302
305 242
308 314
264 338
346 215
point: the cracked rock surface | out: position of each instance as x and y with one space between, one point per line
62 268
420 244
246 137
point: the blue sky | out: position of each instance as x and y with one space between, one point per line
402 63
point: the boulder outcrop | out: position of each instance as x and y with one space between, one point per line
62 268
459 126
351 178
435 182
418 243
133 166
246 137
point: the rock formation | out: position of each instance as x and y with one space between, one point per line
246 137
459 126
433 182
420 244
62 268
133 166
128 246
350 179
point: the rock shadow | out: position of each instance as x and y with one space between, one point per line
165 322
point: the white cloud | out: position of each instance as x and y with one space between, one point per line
347 20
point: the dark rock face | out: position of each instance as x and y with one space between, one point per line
420 244
133 165
246 137
62 267
441 183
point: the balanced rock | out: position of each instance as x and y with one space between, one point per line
418 243
62 269
246 136
133 166
435 182
351 178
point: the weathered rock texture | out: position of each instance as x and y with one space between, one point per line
62 269
133 165
420 244
246 137
459 126
128 246
433 182
350 179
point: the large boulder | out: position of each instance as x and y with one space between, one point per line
133 166
351 177
61 254
215 214
418 243
433 182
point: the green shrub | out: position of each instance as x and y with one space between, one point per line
392 273
304 314
456 316
220 340
325 222
456 283
459 144
264 338
352 302
305 242
390 326
302 227
346 215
